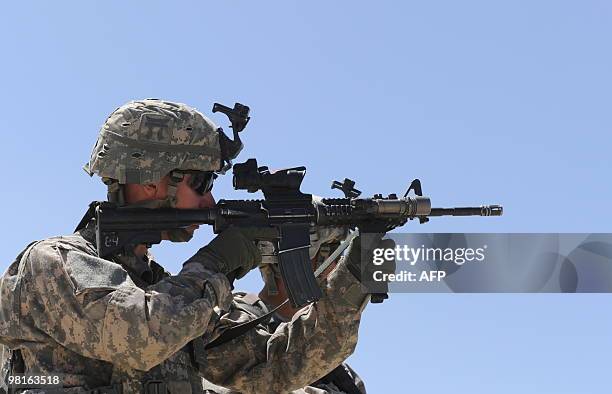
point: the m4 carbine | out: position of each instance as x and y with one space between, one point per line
284 208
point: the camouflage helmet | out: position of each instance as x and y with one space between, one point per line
144 140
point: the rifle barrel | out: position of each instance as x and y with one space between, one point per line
485 210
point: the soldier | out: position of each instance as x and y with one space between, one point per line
125 325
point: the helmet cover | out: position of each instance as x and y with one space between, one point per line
142 141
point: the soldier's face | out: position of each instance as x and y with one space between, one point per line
187 198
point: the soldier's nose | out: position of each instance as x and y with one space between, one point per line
207 201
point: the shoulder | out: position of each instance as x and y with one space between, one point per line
74 258
48 248
44 255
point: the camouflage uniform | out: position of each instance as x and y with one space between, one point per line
121 324
253 307
98 323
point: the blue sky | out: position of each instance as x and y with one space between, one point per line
485 102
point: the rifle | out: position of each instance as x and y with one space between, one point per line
284 208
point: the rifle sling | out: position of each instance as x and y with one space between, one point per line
90 214
241 329
342 379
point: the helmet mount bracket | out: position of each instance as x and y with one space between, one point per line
239 117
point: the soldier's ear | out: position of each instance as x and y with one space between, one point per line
149 187
138 193
159 190
135 193
150 190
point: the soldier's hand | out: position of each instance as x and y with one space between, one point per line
361 263
319 236
325 235
233 252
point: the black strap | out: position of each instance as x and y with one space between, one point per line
90 214
342 379
155 387
17 363
240 329
113 389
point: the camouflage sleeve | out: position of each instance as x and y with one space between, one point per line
92 307
297 353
